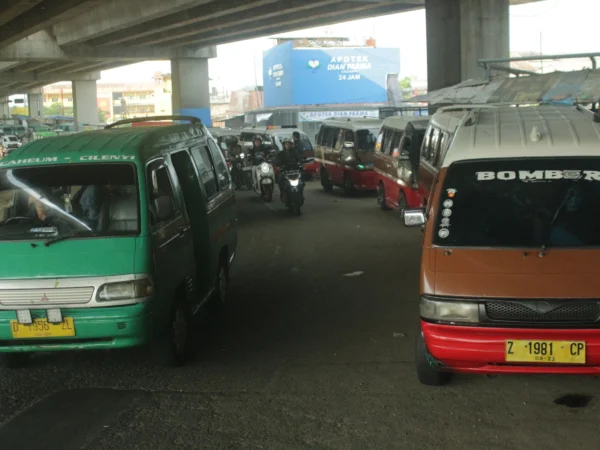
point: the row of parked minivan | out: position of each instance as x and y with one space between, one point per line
509 202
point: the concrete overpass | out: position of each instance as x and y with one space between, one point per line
44 41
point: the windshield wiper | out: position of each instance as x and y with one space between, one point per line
556 215
67 236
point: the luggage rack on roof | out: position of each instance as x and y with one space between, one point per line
191 119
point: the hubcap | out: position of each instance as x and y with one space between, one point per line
179 330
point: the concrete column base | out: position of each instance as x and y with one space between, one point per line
85 103
190 92
459 32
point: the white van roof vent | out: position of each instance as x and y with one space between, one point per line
535 135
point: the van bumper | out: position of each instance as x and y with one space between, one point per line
469 349
363 180
95 328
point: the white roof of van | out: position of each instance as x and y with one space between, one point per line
400 122
354 124
534 131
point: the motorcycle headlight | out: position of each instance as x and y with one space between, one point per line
294 183
264 168
125 290
242 156
449 310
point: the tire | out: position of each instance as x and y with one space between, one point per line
175 345
381 197
348 188
325 182
15 360
402 204
268 193
296 209
427 374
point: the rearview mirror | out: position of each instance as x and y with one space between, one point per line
414 217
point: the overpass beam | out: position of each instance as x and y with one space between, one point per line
190 88
35 101
85 103
459 32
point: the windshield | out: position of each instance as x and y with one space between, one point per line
54 201
367 139
12 139
521 203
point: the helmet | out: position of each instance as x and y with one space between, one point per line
287 140
231 140
258 137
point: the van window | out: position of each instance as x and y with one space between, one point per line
525 203
220 166
159 187
207 171
367 139
86 200
331 137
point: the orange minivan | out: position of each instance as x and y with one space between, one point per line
510 270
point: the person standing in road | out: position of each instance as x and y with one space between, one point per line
298 147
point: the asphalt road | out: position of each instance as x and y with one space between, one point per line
305 358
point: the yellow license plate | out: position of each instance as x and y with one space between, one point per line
562 352
41 328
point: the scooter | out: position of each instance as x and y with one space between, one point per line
292 190
263 176
242 172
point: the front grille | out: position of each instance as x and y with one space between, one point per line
543 311
50 296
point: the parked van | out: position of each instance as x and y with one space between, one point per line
112 238
397 155
346 154
510 278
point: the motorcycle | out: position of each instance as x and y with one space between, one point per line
241 171
292 190
263 176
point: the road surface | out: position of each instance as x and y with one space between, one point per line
305 358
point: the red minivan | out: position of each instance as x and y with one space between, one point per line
346 154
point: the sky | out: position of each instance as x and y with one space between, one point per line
560 26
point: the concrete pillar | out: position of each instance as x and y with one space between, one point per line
85 103
459 32
35 102
190 88
4 108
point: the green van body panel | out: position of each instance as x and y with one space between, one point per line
112 326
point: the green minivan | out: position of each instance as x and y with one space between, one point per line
113 238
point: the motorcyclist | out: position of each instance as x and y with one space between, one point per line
288 158
234 151
257 147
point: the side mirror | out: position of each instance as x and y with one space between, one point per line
164 208
414 217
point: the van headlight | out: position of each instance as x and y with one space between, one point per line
264 168
125 290
449 310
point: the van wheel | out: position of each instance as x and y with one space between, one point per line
325 181
15 360
381 197
348 188
176 341
402 204
427 374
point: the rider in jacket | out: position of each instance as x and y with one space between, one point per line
288 158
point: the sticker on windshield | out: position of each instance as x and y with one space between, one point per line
451 192
539 175
447 212
448 204
444 233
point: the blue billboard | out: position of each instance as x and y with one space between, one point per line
295 76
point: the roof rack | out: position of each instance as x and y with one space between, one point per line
191 119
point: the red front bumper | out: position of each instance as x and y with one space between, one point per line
363 180
311 168
481 350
